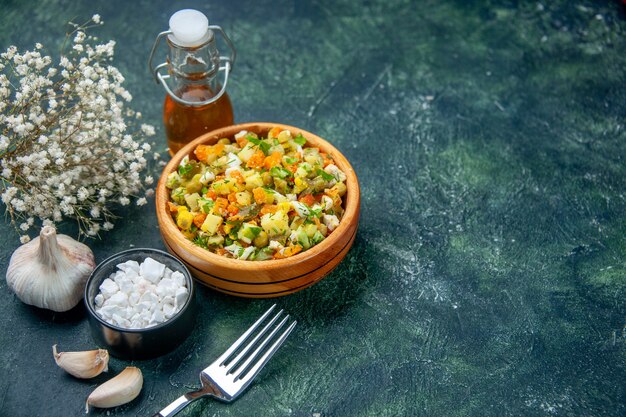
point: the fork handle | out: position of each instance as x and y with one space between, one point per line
176 405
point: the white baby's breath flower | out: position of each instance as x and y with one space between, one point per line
77 155
24 239
95 212
82 194
147 130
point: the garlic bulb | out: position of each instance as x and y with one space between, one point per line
119 390
50 271
86 364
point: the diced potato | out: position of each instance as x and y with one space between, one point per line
184 219
254 181
275 224
300 185
261 240
178 195
225 186
304 170
211 224
192 201
248 232
285 206
215 240
246 153
310 229
278 149
312 156
284 136
173 180
243 198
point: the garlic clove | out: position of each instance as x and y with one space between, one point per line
119 390
50 271
86 364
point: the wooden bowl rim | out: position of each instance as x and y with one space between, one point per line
218 278
350 216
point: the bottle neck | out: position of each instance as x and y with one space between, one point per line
193 67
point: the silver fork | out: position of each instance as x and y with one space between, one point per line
227 377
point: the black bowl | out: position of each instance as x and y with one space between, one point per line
140 343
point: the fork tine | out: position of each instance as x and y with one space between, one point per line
251 343
243 337
244 366
247 378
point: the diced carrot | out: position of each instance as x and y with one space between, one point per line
307 199
172 207
327 160
198 219
288 251
202 152
268 208
220 205
220 251
295 249
274 132
242 141
232 197
256 160
232 209
259 195
237 176
272 160
218 148
211 194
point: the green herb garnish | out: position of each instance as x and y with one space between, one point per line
325 175
264 146
280 172
184 170
300 140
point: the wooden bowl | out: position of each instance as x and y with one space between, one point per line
261 279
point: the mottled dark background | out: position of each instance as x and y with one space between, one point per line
488 277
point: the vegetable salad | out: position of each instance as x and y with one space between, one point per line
257 198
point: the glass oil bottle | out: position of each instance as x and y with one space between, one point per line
196 101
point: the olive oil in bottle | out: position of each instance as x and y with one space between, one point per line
196 101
